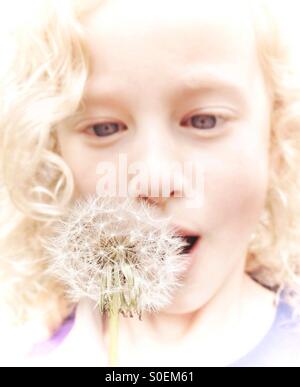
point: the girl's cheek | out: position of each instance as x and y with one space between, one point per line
235 197
86 177
82 168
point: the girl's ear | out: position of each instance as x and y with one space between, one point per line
276 157
55 145
277 105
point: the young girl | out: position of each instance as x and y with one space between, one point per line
215 83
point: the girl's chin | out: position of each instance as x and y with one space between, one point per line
183 304
179 311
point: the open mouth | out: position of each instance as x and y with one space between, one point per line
191 241
189 237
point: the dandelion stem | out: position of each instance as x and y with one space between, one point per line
113 332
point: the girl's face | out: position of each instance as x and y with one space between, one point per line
180 81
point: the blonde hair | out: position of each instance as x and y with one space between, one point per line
42 84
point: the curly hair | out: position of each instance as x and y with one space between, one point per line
43 78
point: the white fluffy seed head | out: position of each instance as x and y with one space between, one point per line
110 248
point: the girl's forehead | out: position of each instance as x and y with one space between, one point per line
144 38
181 27
145 15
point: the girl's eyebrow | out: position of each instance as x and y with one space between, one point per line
192 82
214 82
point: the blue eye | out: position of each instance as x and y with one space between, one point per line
106 129
204 121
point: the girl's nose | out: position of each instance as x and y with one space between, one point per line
156 157
158 180
160 202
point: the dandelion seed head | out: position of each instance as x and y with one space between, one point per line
110 247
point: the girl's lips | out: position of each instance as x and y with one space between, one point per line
193 239
184 232
191 254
